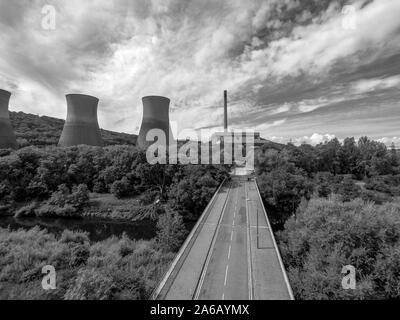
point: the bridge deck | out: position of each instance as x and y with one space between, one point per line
230 254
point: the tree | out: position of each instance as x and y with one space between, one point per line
282 192
121 188
348 190
348 155
328 156
323 184
171 231
329 234
394 159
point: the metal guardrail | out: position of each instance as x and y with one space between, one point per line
156 292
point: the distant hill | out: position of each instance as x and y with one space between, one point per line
41 131
31 129
267 144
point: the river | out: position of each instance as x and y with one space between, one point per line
98 229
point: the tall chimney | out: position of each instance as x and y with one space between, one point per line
81 126
7 136
225 110
155 116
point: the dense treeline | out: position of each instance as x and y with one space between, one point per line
57 181
335 204
366 169
328 234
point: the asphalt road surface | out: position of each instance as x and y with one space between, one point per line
231 254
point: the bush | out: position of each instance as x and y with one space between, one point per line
328 234
79 196
27 210
348 190
64 203
121 188
385 184
171 231
149 197
323 184
74 237
117 268
282 192
376 197
91 284
192 191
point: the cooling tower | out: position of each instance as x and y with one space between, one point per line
81 126
7 136
155 116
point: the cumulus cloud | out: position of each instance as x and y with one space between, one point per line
268 54
390 140
314 139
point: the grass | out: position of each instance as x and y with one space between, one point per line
109 207
116 268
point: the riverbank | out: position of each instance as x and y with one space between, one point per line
104 206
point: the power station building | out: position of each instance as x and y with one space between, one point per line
155 116
7 136
81 126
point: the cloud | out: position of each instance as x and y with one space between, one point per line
314 139
309 105
389 140
286 107
263 127
317 138
375 84
275 58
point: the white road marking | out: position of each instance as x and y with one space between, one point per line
226 274
211 249
232 235
223 296
229 251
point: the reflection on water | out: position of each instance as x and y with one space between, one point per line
98 229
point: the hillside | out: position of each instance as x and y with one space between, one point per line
34 130
40 131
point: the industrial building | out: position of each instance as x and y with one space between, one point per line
155 116
7 136
81 126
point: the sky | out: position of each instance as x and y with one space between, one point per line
295 70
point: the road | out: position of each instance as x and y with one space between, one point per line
230 254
